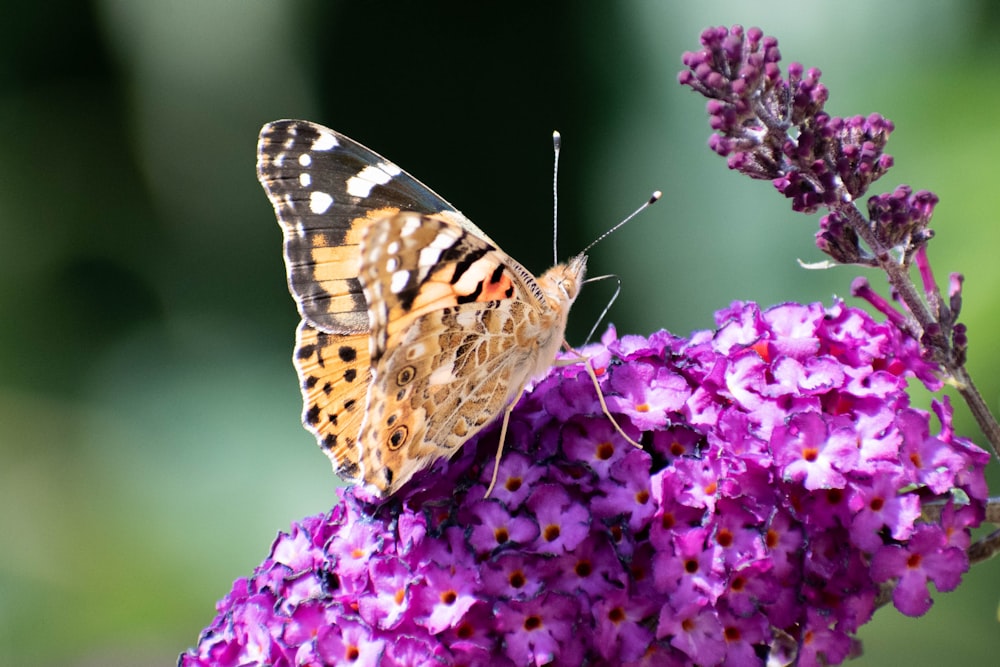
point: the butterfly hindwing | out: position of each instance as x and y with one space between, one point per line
443 379
334 374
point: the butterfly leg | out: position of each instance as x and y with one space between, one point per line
600 394
503 438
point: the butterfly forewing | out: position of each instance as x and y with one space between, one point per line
413 264
325 189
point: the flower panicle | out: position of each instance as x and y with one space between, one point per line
774 126
778 491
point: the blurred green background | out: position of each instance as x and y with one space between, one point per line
149 427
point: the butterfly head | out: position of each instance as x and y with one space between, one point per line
561 284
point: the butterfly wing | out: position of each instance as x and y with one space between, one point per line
326 189
457 326
334 374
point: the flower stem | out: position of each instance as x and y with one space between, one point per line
977 405
924 326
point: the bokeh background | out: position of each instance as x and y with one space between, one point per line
149 439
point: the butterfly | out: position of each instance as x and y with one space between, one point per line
417 330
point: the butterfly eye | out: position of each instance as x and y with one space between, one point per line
398 437
405 376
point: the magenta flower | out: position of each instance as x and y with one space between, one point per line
926 556
540 631
622 632
774 492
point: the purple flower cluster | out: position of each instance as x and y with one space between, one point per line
903 217
775 128
780 483
900 220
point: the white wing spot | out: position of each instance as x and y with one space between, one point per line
359 188
392 248
399 280
319 202
467 319
305 180
305 159
300 229
392 264
442 375
361 184
325 141
443 240
429 256
411 225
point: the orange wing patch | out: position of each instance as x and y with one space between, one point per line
334 374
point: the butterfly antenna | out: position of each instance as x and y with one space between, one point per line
556 145
652 200
618 287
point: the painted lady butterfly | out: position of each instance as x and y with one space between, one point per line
417 330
